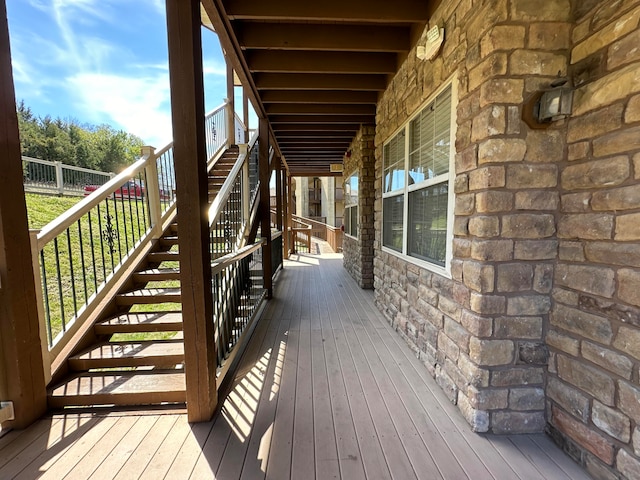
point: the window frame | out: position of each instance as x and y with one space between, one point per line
444 178
349 206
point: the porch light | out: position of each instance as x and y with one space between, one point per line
432 43
555 104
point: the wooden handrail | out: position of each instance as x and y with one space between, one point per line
60 224
231 258
227 187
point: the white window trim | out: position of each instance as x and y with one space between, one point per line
347 207
446 270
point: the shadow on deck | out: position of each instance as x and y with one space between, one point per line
325 390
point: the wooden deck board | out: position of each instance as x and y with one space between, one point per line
325 389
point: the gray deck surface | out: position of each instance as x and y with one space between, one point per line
326 389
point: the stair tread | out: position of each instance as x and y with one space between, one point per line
140 322
133 349
151 292
170 273
138 387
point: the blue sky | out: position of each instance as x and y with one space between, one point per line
102 61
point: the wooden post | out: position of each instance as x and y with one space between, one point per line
231 107
245 114
153 191
278 167
187 111
22 378
292 243
285 214
265 208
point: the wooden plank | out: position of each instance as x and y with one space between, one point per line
319 96
120 388
79 449
313 108
164 456
21 442
403 11
349 452
260 439
564 462
265 208
215 446
146 450
158 353
62 437
189 140
103 448
336 37
279 463
303 454
187 456
537 457
454 430
242 403
320 81
21 348
119 455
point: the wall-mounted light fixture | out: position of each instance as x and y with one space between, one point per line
549 105
556 103
430 44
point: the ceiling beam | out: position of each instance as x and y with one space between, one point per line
313 135
319 96
319 109
330 119
286 61
313 143
398 11
301 81
335 37
305 128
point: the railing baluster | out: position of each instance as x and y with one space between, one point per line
72 271
59 276
84 276
93 252
45 289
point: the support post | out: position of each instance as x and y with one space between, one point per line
245 114
231 107
153 191
187 111
265 209
278 167
292 238
22 379
285 214
59 178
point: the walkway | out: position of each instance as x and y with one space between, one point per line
325 390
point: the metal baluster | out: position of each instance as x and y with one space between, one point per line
93 253
45 288
84 272
72 272
57 252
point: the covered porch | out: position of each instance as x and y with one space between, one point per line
325 389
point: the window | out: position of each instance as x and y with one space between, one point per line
416 192
351 206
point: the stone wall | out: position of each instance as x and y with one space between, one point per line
594 335
358 253
537 327
480 332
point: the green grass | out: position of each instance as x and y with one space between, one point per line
42 209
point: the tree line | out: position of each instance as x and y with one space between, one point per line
98 147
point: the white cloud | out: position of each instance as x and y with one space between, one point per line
138 105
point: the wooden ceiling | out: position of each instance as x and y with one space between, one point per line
315 69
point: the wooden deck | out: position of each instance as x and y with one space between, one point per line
325 390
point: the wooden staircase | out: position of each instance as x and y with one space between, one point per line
135 354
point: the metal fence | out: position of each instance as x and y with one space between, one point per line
43 176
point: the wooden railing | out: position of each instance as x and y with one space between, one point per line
331 235
83 257
300 236
44 176
237 295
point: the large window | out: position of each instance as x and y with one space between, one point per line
351 206
416 178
